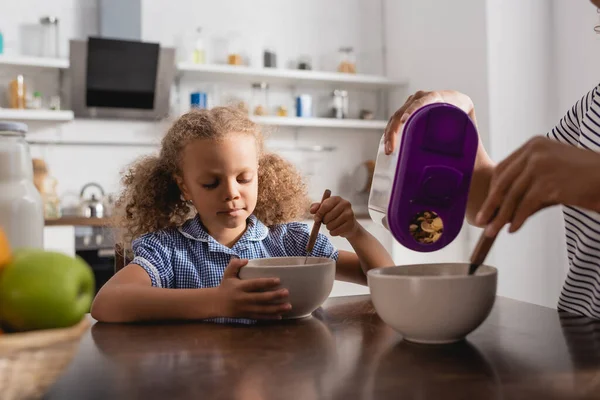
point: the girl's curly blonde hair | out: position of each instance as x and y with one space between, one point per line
151 199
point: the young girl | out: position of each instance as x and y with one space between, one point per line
212 164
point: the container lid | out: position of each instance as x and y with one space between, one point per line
9 126
49 20
260 85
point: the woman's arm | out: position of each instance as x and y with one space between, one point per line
540 174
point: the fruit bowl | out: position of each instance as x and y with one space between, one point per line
30 362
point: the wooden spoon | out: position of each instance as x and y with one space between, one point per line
481 249
315 230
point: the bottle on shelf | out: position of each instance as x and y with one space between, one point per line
260 99
199 52
17 92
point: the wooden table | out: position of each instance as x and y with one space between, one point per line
344 351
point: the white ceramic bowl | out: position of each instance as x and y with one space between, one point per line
433 303
309 284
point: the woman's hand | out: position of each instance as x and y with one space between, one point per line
252 298
418 100
337 215
541 173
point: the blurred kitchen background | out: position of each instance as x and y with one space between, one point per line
321 77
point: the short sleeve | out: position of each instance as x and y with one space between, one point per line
296 238
568 129
153 252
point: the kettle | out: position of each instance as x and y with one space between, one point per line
420 191
92 207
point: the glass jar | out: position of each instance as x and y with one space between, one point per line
17 93
234 53
339 104
21 207
54 103
305 63
199 52
269 58
347 60
50 44
282 111
260 98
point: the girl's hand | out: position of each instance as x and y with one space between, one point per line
418 100
336 213
252 298
540 174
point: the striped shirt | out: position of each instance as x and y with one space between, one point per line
581 290
582 335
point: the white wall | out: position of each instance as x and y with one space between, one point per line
577 51
440 45
532 262
77 20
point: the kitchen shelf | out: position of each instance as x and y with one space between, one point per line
243 74
321 122
61 142
38 62
233 73
302 149
35 115
98 143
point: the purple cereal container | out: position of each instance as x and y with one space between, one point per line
428 197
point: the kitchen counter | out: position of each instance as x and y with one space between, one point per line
82 221
78 221
344 351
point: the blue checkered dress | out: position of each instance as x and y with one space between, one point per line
189 258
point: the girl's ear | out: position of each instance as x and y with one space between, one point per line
182 187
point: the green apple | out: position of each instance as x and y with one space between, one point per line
45 289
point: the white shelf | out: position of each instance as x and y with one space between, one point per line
321 122
35 115
232 73
39 62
